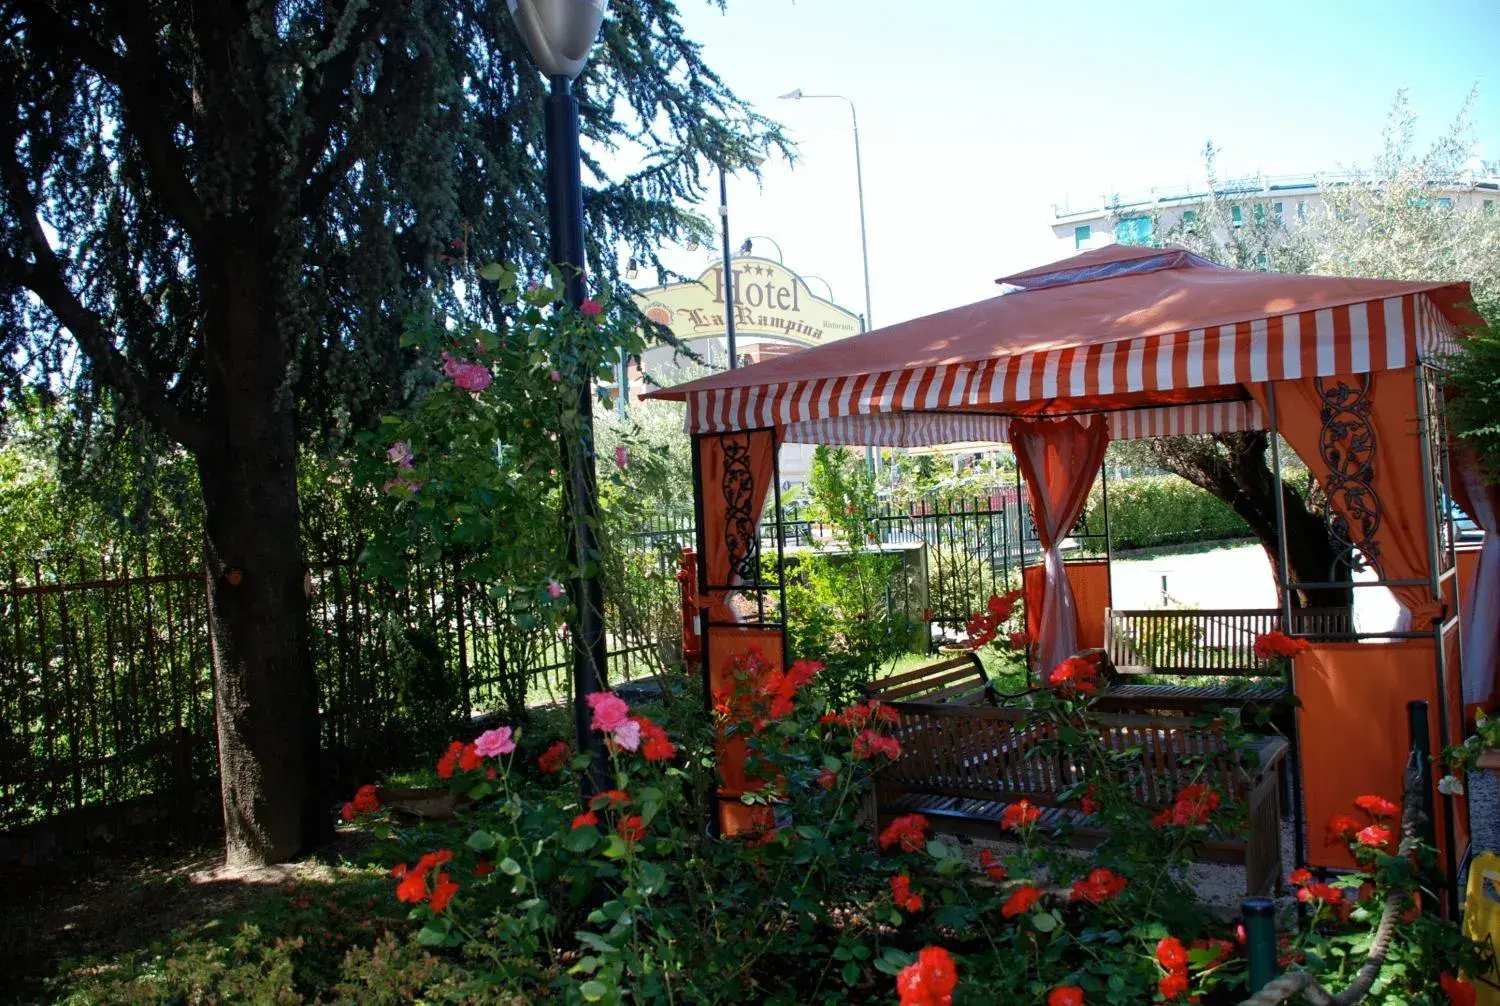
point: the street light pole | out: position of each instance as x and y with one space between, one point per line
859 183
734 360
871 458
559 35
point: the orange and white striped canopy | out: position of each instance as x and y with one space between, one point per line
1159 338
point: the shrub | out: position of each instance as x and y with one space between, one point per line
1150 511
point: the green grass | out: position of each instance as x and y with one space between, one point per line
1007 675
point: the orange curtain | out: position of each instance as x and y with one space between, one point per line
1058 459
1354 734
1090 582
1358 434
734 481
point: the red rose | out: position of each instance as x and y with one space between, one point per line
1020 901
1170 953
929 981
1173 984
908 831
555 757
1065 995
443 891
1018 815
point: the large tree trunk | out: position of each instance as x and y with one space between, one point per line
1234 468
265 690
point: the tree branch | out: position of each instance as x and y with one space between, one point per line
142 104
325 97
45 278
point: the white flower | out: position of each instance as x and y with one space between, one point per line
627 735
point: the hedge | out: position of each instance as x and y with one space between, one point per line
1154 510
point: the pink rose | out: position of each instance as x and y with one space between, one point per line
593 309
494 743
400 454
622 456
627 735
450 366
610 712
556 376
554 589
473 377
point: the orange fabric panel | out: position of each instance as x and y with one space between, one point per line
1091 595
1353 732
725 643
1375 423
735 473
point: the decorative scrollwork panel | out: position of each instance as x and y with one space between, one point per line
1347 443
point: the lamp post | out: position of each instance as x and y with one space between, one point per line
871 458
559 34
734 360
859 181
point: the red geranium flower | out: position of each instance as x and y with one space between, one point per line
1065 995
431 859
1377 806
1193 805
868 744
908 831
901 893
826 779
413 888
365 800
632 828
1173 984
484 868
1018 815
584 820
1339 828
1375 836
443 891
1460 992
655 745
1099 886
347 812
468 757
1317 891
1278 644
449 761
1301 875
1170 953
555 757
1074 675
929 981
987 861
1020 901
1087 803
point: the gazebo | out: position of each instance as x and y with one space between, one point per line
1124 343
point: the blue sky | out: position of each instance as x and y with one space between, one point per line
976 117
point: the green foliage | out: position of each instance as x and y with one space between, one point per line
1148 511
845 599
1473 399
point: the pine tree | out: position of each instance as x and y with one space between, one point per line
221 214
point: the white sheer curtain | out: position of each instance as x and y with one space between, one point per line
1481 619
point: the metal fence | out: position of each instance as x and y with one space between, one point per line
106 690
106 686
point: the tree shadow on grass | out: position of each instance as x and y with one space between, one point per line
106 918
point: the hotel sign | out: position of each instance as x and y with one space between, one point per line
769 300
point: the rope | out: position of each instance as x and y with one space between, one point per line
1301 982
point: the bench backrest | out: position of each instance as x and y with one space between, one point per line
1186 641
1000 754
959 680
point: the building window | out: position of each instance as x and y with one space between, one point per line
1489 206
1081 235
1236 215
1133 231
1445 203
1302 209
1276 207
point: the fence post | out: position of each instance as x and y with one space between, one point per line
1260 941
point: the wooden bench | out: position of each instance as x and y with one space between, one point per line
1189 644
961 766
959 680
